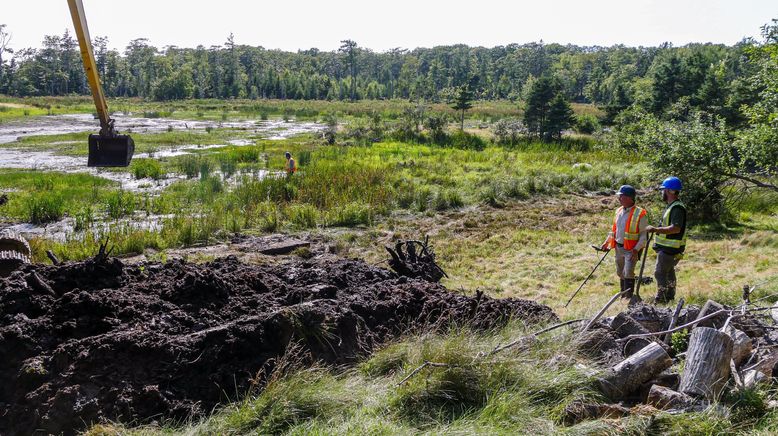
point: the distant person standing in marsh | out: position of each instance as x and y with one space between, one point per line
291 165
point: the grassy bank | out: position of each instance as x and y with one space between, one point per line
519 391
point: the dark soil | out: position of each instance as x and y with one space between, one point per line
100 340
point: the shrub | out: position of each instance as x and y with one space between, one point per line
467 141
586 124
146 168
509 131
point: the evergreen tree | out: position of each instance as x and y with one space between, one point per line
560 116
463 100
538 105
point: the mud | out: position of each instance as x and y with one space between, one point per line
72 123
101 340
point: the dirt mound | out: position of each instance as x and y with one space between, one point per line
95 340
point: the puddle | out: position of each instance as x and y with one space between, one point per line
72 123
48 161
64 230
59 124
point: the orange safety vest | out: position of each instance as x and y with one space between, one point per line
291 166
632 231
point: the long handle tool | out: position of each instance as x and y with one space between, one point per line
590 274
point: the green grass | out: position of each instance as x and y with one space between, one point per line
41 197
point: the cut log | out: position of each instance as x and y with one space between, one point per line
707 363
579 411
666 380
741 344
752 377
715 322
628 375
666 398
624 325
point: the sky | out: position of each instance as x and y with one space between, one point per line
303 24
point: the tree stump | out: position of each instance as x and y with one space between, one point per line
707 363
628 375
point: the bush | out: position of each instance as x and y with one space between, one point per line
509 131
467 141
586 124
146 168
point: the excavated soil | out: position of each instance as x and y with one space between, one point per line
100 340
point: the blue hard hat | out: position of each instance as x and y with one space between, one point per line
673 183
627 190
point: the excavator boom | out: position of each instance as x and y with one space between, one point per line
106 149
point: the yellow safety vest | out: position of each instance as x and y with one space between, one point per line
665 240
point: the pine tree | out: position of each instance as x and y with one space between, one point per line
463 101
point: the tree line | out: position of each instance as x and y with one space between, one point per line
707 75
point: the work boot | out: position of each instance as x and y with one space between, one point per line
661 296
629 288
621 289
670 294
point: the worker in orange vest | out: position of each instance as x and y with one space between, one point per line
291 165
627 237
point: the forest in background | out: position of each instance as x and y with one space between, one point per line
713 77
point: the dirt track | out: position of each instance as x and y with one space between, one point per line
89 341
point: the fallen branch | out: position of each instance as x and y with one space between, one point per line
602 311
533 335
673 330
673 320
423 365
54 260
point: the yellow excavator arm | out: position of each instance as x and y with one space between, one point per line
107 149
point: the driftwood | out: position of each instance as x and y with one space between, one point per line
407 261
625 325
627 376
53 257
665 398
707 363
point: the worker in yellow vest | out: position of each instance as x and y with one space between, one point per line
627 237
670 241
291 165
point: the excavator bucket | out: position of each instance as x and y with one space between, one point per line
110 151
